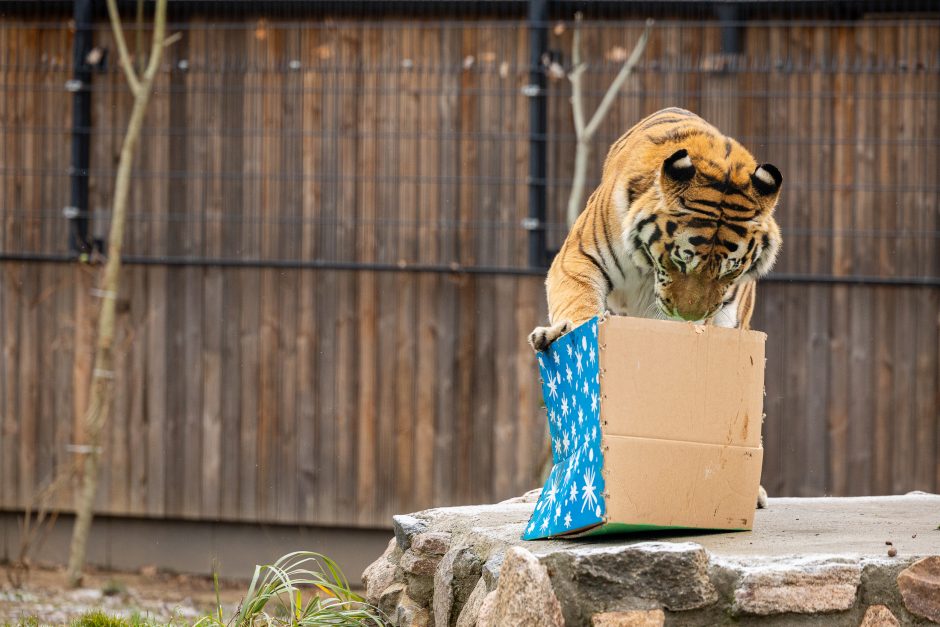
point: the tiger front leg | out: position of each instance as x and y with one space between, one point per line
576 293
542 337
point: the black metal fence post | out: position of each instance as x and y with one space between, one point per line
80 86
538 128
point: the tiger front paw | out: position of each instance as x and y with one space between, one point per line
542 337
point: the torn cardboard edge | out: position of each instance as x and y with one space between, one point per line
629 456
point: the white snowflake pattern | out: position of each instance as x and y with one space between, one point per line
594 434
531 526
573 494
552 388
588 490
580 416
557 447
591 355
567 520
585 389
564 406
557 512
551 493
577 362
568 373
593 402
569 350
541 362
544 524
566 442
590 454
583 343
557 358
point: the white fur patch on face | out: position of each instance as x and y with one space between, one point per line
765 176
686 162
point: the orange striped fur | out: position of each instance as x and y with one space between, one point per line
680 227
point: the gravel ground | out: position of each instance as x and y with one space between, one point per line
43 595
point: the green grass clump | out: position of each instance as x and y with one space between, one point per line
276 597
97 618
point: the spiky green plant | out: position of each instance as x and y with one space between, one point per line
276 596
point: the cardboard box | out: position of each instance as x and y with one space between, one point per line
654 425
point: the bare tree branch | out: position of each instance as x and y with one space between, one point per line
614 88
126 62
102 382
585 133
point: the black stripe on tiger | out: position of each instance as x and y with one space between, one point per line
607 239
610 284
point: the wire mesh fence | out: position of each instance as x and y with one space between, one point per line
398 134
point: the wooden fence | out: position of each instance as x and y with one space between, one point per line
253 389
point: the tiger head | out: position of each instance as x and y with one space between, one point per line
706 226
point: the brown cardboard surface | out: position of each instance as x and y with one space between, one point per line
680 484
680 381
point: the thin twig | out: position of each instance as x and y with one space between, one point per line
583 132
614 88
125 57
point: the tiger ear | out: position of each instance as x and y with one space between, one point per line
678 166
766 179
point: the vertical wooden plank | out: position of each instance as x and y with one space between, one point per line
307 332
531 422
175 390
211 363
12 310
268 405
308 439
114 485
47 330
925 403
425 324
347 209
368 363
136 380
249 348
504 432
405 391
28 382
842 202
287 406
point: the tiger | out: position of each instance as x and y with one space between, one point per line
680 227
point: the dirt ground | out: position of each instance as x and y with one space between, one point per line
161 598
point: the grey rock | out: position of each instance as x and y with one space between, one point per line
471 609
420 589
801 586
919 584
405 528
411 613
644 576
491 571
524 596
419 575
380 574
389 600
454 580
532 496
419 564
431 542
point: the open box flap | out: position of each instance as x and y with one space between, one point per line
573 496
